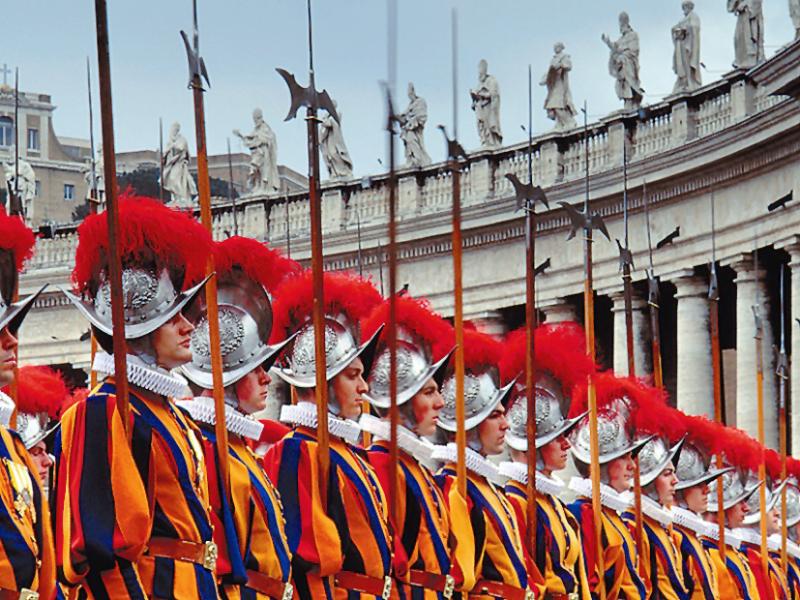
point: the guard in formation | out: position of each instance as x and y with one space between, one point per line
142 510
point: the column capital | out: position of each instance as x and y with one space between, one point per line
690 285
618 298
792 246
557 310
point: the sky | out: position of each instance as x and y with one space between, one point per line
243 41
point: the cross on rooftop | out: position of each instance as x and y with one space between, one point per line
6 72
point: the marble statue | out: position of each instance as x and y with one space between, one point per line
686 57
623 63
177 179
412 129
27 183
486 104
558 104
794 12
99 180
748 39
334 151
263 176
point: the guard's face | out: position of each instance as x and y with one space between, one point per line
8 357
171 342
554 454
665 486
773 521
349 387
620 473
41 460
251 391
736 514
426 406
696 498
492 432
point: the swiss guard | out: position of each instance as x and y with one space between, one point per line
560 365
254 559
617 450
792 527
422 534
341 546
489 560
134 516
27 562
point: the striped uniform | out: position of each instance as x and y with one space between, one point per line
254 559
699 575
422 542
734 577
558 545
771 585
488 546
26 539
793 569
780 580
349 534
117 533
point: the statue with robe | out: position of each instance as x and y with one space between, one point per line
686 56
412 129
26 188
623 63
748 39
486 104
263 176
794 13
334 150
176 178
95 180
558 104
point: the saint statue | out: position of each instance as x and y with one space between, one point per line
95 180
794 12
412 129
334 151
623 63
176 178
263 176
27 183
748 39
486 104
558 103
686 57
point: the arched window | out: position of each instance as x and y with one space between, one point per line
6 132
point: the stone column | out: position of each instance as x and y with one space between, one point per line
489 321
695 375
749 285
641 336
558 310
793 296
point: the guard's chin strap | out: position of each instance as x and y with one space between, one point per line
149 377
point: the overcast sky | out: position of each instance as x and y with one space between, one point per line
243 41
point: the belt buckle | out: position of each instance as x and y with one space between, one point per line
26 594
210 554
449 587
387 588
288 592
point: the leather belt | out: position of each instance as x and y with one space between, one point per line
498 589
269 586
357 582
23 594
201 553
433 581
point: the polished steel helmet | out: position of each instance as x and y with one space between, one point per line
694 468
550 422
792 504
482 395
33 428
613 436
773 495
735 489
245 322
654 457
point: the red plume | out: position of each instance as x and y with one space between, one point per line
258 261
740 449
793 467
150 235
416 316
41 390
704 433
559 350
78 395
481 351
345 293
16 237
772 463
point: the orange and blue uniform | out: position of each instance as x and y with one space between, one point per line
793 572
488 559
558 544
699 575
421 544
349 536
734 577
254 560
27 561
780 580
771 585
133 518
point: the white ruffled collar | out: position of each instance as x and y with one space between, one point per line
774 543
6 409
202 409
305 414
733 537
551 486
609 497
407 440
690 520
792 548
747 534
661 514
475 462
152 378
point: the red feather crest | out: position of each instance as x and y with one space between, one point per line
773 464
345 293
16 237
704 433
740 450
41 390
416 316
151 235
481 351
258 261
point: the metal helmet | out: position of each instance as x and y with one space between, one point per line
735 489
41 392
694 468
654 457
773 495
792 503
16 246
613 435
